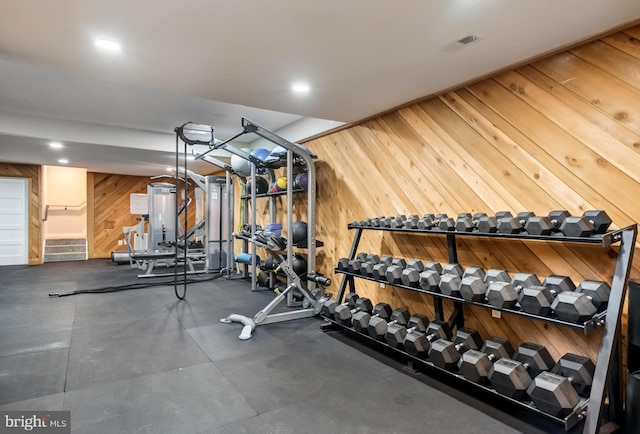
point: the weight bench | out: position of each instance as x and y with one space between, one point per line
311 305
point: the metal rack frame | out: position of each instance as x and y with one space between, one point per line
250 127
608 373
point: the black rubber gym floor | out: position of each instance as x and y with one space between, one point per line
143 361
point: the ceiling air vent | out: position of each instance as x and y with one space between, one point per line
460 43
467 39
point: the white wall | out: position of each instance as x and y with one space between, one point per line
65 191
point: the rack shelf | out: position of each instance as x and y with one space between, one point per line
273 193
607 384
569 422
588 326
604 240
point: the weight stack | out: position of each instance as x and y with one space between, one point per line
632 408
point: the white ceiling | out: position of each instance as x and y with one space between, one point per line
216 61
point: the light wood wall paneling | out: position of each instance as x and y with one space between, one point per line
111 197
111 205
596 143
562 132
611 59
583 106
33 173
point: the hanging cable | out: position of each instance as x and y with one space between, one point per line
177 219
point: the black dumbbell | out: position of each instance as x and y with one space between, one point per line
446 354
353 266
385 222
418 344
429 279
393 272
538 225
467 222
504 295
361 319
537 299
446 223
435 266
495 275
376 222
329 307
450 285
343 263
473 288
396 333
474 271
428 221
398 221
378 326
412 222
514 225
379 270
591 222
590 296
370 260
365 222
454 269
367 268
343 313
411 274
474 365
558 392
512 377
487 224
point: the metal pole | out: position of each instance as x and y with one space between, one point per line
253 226
289 221
230 222
611 332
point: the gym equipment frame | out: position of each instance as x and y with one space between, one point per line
264 315
292 149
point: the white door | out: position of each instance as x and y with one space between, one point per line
13 221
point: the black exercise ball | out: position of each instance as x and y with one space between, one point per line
261 183
271 263
299 230
299 265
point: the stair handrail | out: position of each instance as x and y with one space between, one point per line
65 207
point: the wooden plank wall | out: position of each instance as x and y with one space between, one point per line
108 199
559 133
33 174
110 196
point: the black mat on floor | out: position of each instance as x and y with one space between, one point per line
144 361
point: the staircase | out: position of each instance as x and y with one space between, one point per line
69 249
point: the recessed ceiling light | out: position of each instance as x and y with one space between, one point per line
169 169
300 87
63 161
56 145
107 45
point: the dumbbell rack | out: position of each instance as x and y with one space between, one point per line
608 374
